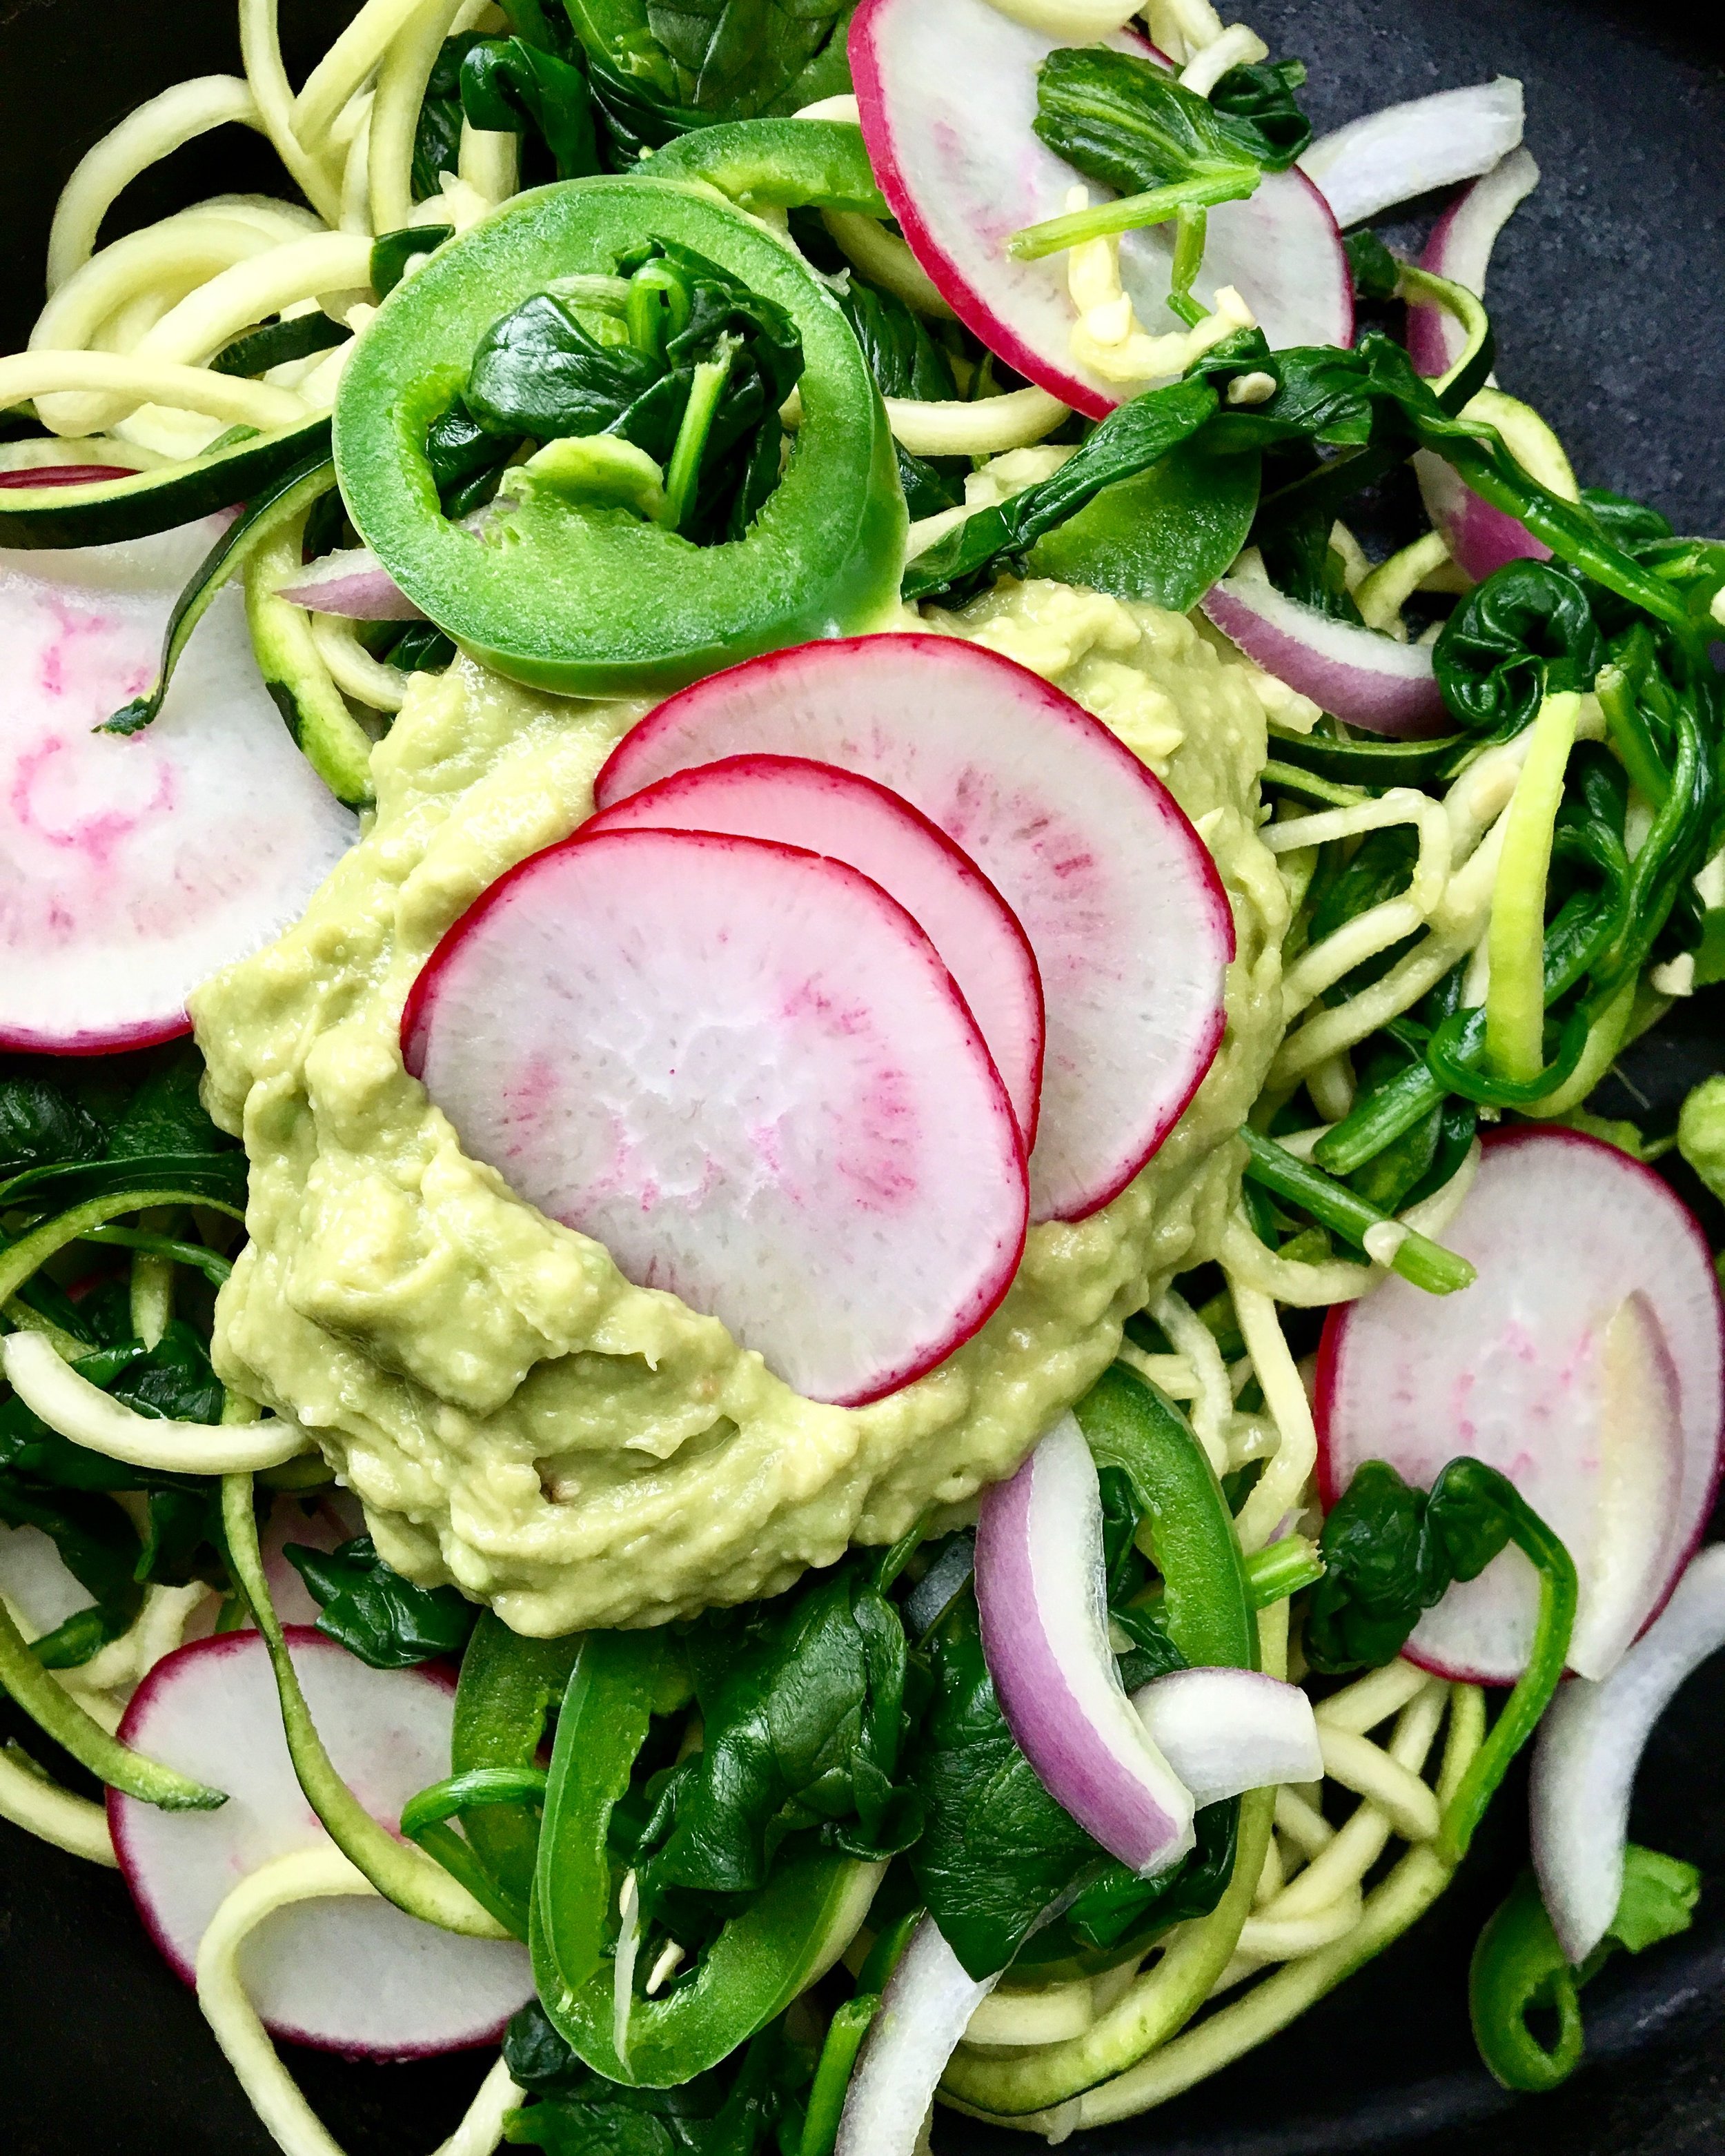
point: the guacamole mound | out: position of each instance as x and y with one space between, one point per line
516 1416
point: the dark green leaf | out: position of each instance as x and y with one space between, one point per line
97 1543
510 85
217 1176
1164 538
165 1116
1376 271
1631 524
902 356
1126 123
1259 98
421 647
1528 629
537 371
374 1613
437 138
41 1126
173 1381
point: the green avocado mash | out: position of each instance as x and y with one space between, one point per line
516 1416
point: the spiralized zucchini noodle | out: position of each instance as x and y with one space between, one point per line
1395 892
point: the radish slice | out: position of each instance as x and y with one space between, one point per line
1358 675
1039 1591
354 582
357 1977
1409 149
1226 1731
1123 905
1460 249
1585 1363
1590 1745
323 1522
850 818
948 94
924 2009
743 1069
135 867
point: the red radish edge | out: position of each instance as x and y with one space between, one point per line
1359 674
1005 342
630 766
672 794
65 474
1335 1328
121 1809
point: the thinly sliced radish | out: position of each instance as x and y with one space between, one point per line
1358 675
354 582
1585 1363
1406 150
1460 249
925 2009
132 867
1040 1593
1590 1745
322 1520
851 818
1224 1732
948 94
744 1069
358 1977
1123 905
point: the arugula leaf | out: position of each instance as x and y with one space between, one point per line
510 85
802 1702
1132 437
1390 1553
374 1613
727 2111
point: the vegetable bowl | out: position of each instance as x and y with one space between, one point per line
115 2043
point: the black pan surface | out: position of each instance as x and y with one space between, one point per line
1609 294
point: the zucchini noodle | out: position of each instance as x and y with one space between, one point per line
885 260
1515 1000
1213 1399
395 110
1237 47
28 1800
228 398
345 68
353 668
986 429
142 139
260 53
308 1875
1280 1488
1381 595
490 160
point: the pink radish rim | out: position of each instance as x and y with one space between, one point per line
146 1033
761 760
1005 343
989 1298
945 651
251 1642
1330 1348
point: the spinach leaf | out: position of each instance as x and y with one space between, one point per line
906 362
167 1116
538 371
217 1177
437 138
1528 629
510 85
804 1702
1162 537
173 1379
421 647
183 1538
1132 437
1631 524
392 251
42 1125
1126 123
97 1543
376 1614
1391 1552
732 2110
1259 98
1376 271
659 68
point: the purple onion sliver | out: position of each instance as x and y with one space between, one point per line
1040 1593
353 583
1357 675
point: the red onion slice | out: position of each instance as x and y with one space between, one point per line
924 2009
351 582
1044 1619
1355 674
1590 1744
1460 249
1224 1731
1409 149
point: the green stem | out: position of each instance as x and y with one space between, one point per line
58 1715
1297 781
424 1820
1283 1569
1629 734
18 1260
683 475
404 1874
1419 1260
1191 230
1132 213
845 2031
214 1267
1535 1687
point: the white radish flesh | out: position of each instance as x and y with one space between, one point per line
947 95
851 818
1359 674
1123 905
1585 1363
358 1977
1407 150
133 868
744 1070
1590 1745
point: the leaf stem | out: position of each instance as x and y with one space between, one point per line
1419 1260
1132 213
683 475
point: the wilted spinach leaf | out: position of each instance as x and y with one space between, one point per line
41 1124
1259 98
509 85
374 1613
1126 123
1528 629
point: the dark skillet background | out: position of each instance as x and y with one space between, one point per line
1609 294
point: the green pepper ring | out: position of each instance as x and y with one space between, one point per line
602 604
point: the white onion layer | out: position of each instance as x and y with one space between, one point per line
1226 1731
1590 1745
924 2009
1409 149
1044 1622
351 582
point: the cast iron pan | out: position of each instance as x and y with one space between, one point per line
1609 300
